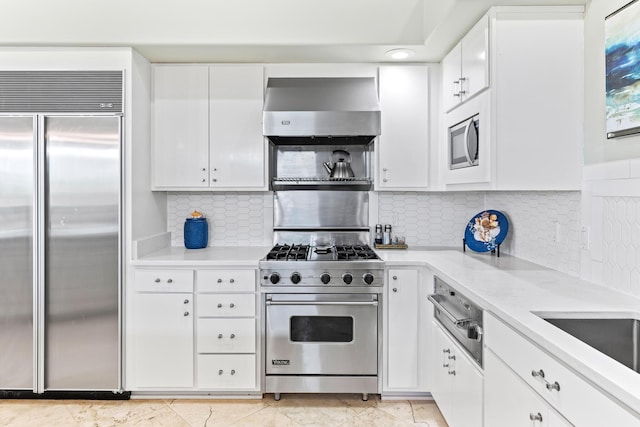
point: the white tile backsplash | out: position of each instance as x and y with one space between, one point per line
235 219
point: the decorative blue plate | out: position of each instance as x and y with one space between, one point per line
486 231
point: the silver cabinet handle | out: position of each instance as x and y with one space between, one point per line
219 336
186 313
169 280
451 357
186 301
214 180
232 336
232 305
157 280
233 372
219 280
220 372
203 180
536 417
231 281
445 365
452 372
536 374
395 289
447 350
395 277
203 169
219 305
553 386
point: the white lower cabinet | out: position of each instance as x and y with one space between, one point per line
457 383
163 329
226 331
563 390
408 323
510 402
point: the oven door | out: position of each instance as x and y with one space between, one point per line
321 334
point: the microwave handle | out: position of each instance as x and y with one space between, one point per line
467 129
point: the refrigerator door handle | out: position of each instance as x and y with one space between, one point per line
40 218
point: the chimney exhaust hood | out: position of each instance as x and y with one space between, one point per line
332 110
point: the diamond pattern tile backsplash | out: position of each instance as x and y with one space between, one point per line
235 219
621 244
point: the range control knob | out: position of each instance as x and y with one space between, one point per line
347 278
368 278
325 278
274 278
295 278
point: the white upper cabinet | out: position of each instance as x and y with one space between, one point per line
531 116
180 126
207 126
465 70
403 146
237 147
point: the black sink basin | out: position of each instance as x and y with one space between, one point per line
614 334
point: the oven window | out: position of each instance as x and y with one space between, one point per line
321 329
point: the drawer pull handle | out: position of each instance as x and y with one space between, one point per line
169 280
553 386
445 365
232 336
395 277
232 305
219 336
536 417
452 373
186 313
451 357
219 280
446 350
231 281
186 301
157 280
220 372
233 372
395 289
536 374
219 305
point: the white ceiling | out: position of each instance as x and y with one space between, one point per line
251 30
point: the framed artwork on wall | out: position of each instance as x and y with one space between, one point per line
622 59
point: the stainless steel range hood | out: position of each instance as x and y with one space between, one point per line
324 110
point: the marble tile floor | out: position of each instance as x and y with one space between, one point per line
292 410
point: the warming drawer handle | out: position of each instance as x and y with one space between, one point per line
372 303
460 323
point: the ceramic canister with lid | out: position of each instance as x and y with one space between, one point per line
196 231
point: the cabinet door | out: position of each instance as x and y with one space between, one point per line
403 330
451 73
403 146
466 392
237 144
475 59
163 344
180 126
442 365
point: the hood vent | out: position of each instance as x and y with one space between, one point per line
321 110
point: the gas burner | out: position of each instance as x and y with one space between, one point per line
357 252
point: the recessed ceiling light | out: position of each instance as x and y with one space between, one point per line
399 54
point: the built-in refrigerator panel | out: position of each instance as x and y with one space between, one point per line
17 192
81 252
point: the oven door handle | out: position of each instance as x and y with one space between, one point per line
460 323
371 303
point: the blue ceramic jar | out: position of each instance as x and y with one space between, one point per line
196 233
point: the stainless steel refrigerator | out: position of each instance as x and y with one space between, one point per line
60 273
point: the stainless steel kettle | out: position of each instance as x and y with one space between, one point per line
341 167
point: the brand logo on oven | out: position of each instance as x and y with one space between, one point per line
280 362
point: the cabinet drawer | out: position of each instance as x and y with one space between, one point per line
563 389
226 335
226 305
164 280
233 371
226 280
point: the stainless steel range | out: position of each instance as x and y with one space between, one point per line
322 319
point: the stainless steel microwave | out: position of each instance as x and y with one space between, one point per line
464 143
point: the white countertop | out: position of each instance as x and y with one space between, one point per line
512 289
506 286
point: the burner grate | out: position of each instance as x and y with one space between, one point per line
288 253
